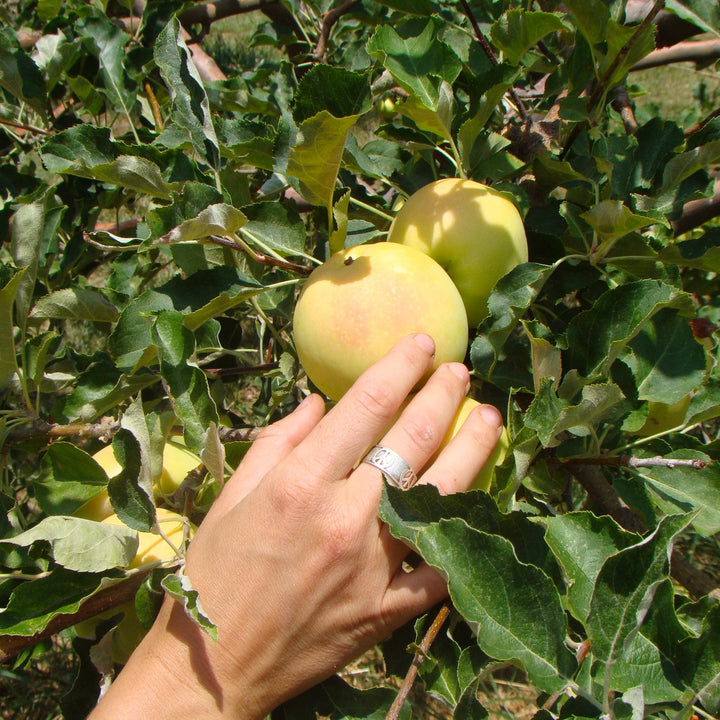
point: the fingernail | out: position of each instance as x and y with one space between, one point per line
304 403
491 415
426 343
460 371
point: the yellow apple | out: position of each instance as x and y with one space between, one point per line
178 461
662 417
474 232
357 305
153 547
485 476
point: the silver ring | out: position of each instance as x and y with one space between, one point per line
392 466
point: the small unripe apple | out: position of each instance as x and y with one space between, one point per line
473 231
662 417
483 480
178 461
357 305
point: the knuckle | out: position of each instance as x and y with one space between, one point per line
377 398
420 431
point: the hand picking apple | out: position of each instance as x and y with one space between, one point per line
292 563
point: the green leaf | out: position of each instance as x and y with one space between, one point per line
25 245
684 489
438 119
201 296
551 416
509 300
611 220
191 108
582 542
218 219
316 157
666 360
82 545
516 608
70 477
75 303
625 587
701 252
185 383
8 359
518 30
338 92
111 49
598 336
591 17
33 604
276 226
699 661
417 58
179 588
130 491
335 699
21 77
324 121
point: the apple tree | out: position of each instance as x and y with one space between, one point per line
162 201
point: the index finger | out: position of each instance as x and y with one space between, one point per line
336 443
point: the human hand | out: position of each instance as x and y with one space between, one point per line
292 562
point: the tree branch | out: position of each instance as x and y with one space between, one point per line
601 86
604 496
329 20
487 48
696 213
698 51
631 461
418 660
103 600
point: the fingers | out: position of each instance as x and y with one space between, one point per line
338 441
272 445
412 593
459 463
422 425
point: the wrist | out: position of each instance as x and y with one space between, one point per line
176 673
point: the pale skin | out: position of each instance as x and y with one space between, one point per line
292 563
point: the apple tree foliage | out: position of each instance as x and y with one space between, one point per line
158 215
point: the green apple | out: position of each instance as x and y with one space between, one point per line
473 231
662 417
357 305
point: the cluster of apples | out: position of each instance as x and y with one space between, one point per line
152 548
447 247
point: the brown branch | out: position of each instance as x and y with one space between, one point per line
601 86
41 429
207 13
420 656
329 20
699 51
154 104
604 496
631 461
219 373
696 213
487 48
702 123
623 105
259 257
23 127
103 600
